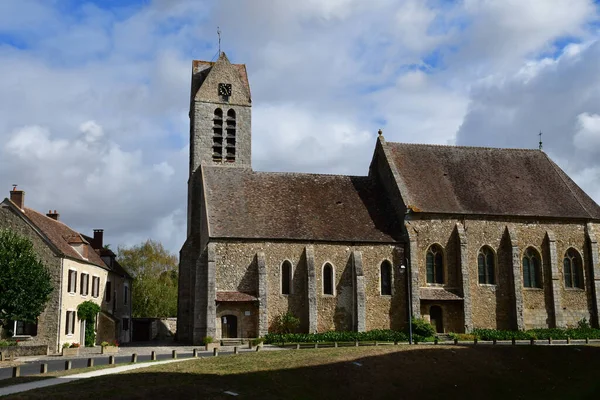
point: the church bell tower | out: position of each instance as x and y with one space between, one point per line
220 115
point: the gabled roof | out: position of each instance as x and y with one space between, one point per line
201 70
486 181
242 203
59 235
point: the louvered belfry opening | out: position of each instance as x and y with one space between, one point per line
218 135
230 139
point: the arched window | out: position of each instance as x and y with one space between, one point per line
230 139
218 135
386 278
435 264
573 270
532 274
485 265
286 277
327 279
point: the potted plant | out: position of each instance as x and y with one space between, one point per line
209 343
70 349
110 348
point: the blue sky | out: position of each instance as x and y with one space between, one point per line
94 95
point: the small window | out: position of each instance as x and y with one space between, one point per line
70 323
95 286
531 269
72 282
286 277
125 294
435 264
573 270
328 279
22 328
108 292
84 285
386 278
486 266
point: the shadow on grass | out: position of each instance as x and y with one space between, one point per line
422 372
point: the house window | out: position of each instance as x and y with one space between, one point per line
95 286
435 264
218 135
230 139
386 278
125 294
84 285
125 324
486 267
531 269
573 270
70 323
108 292
22 328
72 281
328 279
286 277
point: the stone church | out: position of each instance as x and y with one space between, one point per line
465 237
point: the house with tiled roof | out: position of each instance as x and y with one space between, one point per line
81 270
464 237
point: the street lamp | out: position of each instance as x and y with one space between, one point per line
404 269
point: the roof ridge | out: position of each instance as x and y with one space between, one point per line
50 219
556 169
463 146
286 172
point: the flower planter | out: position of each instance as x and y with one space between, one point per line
212 346
110 349
70 351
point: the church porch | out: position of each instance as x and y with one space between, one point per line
236 316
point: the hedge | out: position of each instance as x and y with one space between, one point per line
381 335
541 334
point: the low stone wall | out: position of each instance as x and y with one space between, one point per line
16 351
167 327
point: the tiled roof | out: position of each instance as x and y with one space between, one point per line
235 297
60 235
437 294
242 203
487 181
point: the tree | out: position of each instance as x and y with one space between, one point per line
87 312
25 283
155 278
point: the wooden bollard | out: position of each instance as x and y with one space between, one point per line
195 353
356 343
43 368
436 341
494 341
335 344
134 358
68 365
90 362
16 372
475 341
532 341
111 360
316 345
215 351
568 340
455 341
297 346
514 341
395 343
549 340
587 340
174 354
2 356
258 348
153 356
236 350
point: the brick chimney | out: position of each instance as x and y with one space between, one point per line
17 197
54 215
97 241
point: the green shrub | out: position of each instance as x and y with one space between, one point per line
462 336
6 343
104 344
285 323
66 345
422 328
381 335
207 340
257 341
538 334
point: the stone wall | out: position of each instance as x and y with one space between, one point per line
24 350
493 306
48 321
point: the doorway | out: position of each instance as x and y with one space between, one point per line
435 316
228 326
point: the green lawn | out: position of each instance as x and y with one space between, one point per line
418 372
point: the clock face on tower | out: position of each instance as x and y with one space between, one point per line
225 89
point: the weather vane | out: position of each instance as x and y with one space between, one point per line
540 134
219 35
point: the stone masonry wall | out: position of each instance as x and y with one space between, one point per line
492 305
49 319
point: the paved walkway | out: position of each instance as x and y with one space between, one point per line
69 378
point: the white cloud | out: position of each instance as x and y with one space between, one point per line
587 135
